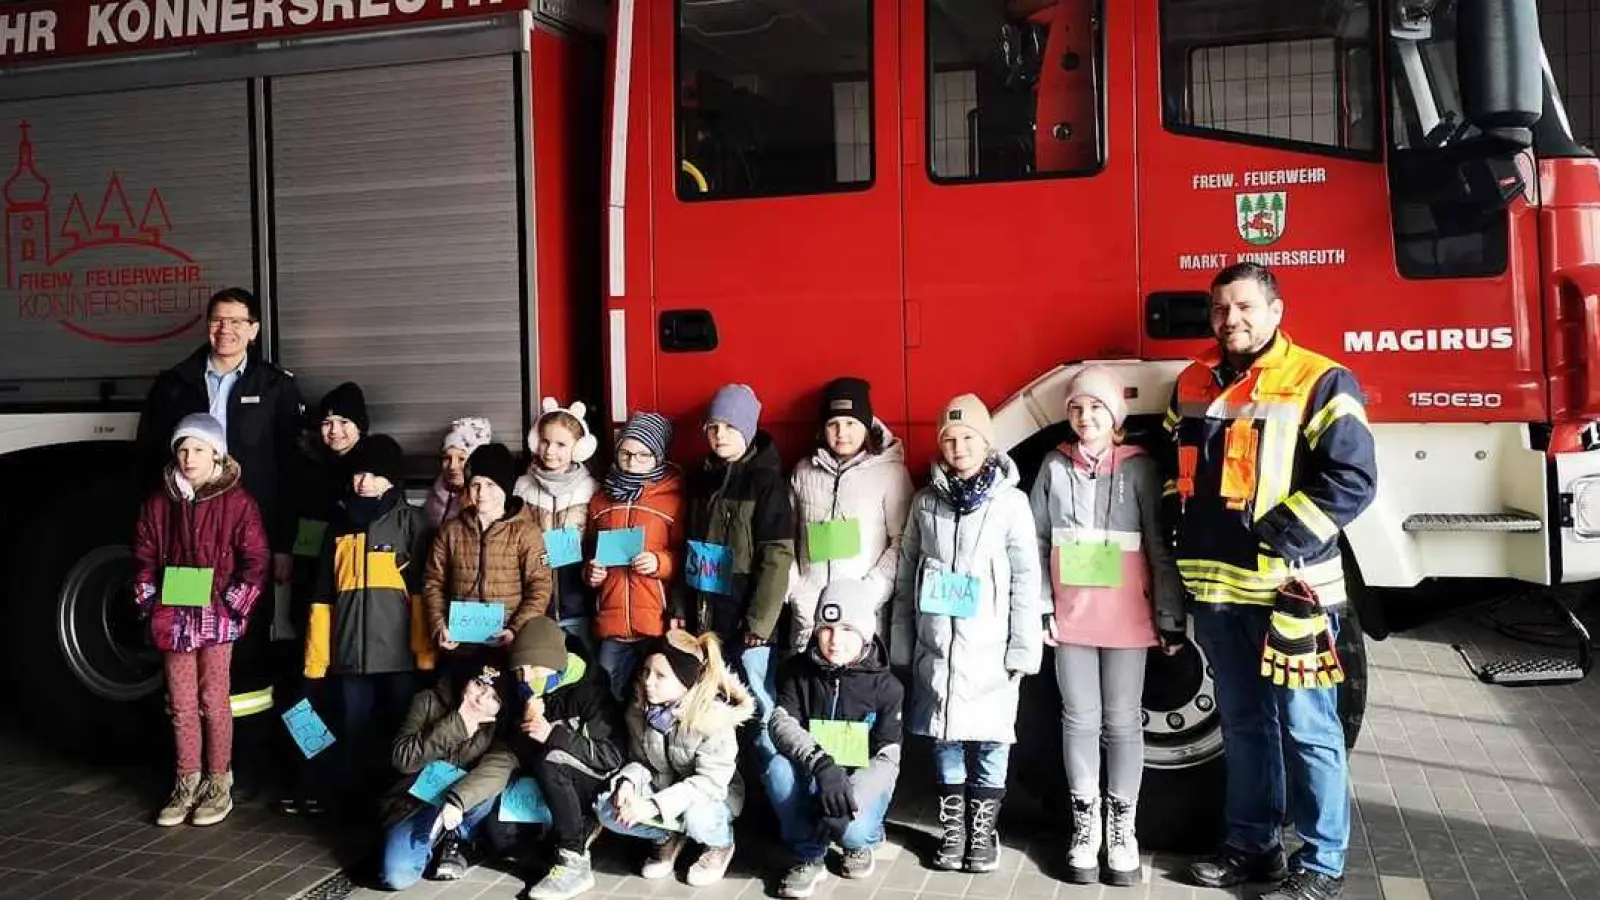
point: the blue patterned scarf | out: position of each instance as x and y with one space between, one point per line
966 495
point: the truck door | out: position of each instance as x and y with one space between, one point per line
1261 137
1019 192
775 203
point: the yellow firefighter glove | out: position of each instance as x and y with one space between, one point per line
1299 651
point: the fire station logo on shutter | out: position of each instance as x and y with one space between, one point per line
1260 218
99 263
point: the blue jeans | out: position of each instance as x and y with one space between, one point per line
990 760
409 843
707 823
756 669
1256 717
621 661
794 797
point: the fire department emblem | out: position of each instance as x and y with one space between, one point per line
1260 218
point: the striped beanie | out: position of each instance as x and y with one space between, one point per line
650 429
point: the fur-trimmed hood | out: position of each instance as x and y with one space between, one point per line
715 705
226 480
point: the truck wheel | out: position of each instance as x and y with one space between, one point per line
88 678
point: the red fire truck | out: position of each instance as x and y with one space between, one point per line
467 205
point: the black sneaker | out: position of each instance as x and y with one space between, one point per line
1305 885
1234 867
449 861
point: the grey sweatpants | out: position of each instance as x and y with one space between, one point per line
1101 693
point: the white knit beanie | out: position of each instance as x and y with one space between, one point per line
202 427
1103 385
468 433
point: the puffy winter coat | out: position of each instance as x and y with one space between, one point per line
433 732
562 501
743 506
220 529
633 606
585 721
874 489
698 760
367 615
264 410
966 671
1115 502
505 563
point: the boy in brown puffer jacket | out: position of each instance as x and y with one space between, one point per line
493 552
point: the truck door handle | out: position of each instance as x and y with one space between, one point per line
688 331
1177 315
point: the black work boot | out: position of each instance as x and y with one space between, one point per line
952 827
1305 885
983 835
1235 867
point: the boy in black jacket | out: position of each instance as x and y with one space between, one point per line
571 741
837 726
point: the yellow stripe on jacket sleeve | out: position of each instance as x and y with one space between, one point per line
1315 520
1340 406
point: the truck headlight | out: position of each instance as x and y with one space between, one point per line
1585 507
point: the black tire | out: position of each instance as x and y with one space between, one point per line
82 536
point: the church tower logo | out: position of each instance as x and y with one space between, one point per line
115 278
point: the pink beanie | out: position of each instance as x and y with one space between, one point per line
1102 384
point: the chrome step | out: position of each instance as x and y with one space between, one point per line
1509 521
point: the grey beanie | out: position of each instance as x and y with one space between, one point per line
849 603
736 406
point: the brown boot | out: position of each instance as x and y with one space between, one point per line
184 797
216 800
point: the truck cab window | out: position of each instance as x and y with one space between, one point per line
774 97
1439 232
1014 89
1298 75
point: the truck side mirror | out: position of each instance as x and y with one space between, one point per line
1500 63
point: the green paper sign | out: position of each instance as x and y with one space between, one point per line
1090 564
184 586
846 742
837 539
308 539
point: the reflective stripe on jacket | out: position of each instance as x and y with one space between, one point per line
1272 463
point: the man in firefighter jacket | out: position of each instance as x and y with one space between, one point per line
1274 457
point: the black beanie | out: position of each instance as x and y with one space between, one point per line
494 462
847 397
377 454
684 656
347 402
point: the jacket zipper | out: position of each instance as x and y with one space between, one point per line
833 513
950 667
627 579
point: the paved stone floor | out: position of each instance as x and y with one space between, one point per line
1461 791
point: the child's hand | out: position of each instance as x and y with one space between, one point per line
538 728
442 637
645 563
751 639
501 638
594 574
1173 641
639 809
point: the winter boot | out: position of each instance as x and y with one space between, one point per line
184 797
216 800
1123 867
953 827
983 834
1083 856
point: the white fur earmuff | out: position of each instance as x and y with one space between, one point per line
584 450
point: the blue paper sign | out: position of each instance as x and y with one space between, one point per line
310 733
523 803
565 546
434 780
618 546
475 623
710 568
949 594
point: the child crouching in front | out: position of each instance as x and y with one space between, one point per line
837 729
683 779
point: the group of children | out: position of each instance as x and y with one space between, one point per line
655 638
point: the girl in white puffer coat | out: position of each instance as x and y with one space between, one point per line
851 498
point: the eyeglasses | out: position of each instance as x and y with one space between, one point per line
231 324
628 456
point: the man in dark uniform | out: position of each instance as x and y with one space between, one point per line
260 407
